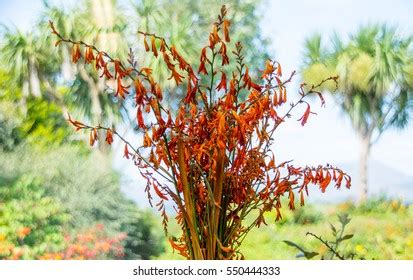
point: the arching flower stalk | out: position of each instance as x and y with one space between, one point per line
212 158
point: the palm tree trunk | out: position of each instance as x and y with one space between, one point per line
34 82
67 68
365 144
104 17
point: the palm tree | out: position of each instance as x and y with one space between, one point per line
99 23
375 84
21 59
26 59
43 71
95 23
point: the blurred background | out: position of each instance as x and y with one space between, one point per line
61 199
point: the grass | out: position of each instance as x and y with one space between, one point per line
383 230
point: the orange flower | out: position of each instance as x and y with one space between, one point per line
255 86
269 69
304 117
223 83
147 142
76 53
153 45
223 52
93 136
121 90
119 70
203 54
158 92
246 78
140 92
177 77
99 62
202 69
325 182
162 48
190 93
126 151
106 72
225 24
76 124
153 159
146 70
109 136
214 37
168 62
182 63
89 56
139 117
23 232
146 44
158 192
279 71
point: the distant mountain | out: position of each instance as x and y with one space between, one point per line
383 180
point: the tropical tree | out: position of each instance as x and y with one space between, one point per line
28 85
25 59
375 85
99 22
39 71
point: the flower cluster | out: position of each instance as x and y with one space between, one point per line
213 156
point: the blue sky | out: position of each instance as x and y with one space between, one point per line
327 137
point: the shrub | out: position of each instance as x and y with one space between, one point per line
88 198
31 223
92 244
333 250
307 215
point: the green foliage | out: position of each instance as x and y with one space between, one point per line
377 205
31 120
36 68
91 196
31 223
304 253
307 215
144 235
44 124
380 236
375 87
186 24
91 244
9 117
41 124
9 123
333 250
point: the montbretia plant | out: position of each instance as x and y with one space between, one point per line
212 157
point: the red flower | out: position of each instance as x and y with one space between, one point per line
109 136
76 53
223 83
121 90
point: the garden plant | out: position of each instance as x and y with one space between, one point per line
212 158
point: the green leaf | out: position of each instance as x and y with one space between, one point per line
345 237
344 219
333 229
308 255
